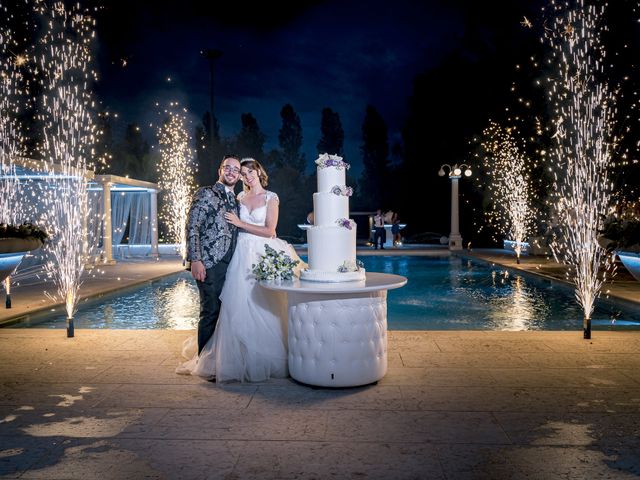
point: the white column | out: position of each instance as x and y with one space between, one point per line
107 229
455 239
154 223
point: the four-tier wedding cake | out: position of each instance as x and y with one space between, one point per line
332 238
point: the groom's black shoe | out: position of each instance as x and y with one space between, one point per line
211 379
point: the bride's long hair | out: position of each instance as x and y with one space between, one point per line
253 164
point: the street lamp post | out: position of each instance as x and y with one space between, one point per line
212 55
455 172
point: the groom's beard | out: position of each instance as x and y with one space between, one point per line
227 183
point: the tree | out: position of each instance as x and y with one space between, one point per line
290 139
250 141
287 177
332 139
375 158
133 157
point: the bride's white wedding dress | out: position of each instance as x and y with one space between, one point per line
250 340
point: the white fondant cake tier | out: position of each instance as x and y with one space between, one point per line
328 207
332 277
330 247
329 177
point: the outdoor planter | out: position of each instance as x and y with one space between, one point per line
11 252
631 261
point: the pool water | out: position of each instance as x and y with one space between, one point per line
443 293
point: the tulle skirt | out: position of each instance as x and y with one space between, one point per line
250 340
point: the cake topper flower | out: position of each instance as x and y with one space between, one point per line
346 223
342 190
325 160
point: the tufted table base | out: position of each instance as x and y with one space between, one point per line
338 340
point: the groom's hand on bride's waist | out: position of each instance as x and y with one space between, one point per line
198 271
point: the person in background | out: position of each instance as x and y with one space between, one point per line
379 231
395 231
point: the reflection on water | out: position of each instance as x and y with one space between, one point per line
455 293
177 306
519 308
443 293
168 303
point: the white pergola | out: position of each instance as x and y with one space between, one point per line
116 184
38 170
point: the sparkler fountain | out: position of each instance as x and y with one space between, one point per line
69 135
11 144
176 174
510 188
584 109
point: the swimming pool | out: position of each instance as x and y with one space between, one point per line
443 293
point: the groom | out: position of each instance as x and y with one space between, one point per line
211 241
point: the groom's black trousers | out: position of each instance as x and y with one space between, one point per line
210 291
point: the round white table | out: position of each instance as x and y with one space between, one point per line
337 332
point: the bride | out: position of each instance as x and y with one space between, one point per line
249 343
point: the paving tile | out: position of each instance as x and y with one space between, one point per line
79 422
53 372
463 360
63 394
516 399
19 453
559 377
320 460
89 460
246 424
490 344
527 462
579 360
571 429
201 395
438 376
187 459
410 427
375 397
145 374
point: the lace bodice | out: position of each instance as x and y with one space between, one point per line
257 216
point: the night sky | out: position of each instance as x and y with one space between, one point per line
338 54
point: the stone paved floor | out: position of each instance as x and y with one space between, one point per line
454 405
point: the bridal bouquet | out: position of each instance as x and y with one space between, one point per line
274 265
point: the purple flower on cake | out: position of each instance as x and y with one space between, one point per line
342 190
325 160
351 266
346 223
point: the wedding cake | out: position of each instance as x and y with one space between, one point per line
332 238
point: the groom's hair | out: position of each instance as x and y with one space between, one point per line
237 157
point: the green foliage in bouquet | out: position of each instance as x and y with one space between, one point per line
25 230
274 265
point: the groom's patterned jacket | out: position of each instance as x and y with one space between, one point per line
209 235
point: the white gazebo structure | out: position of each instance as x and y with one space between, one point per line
116 203
113 186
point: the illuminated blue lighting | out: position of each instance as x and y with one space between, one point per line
40 176
511 245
